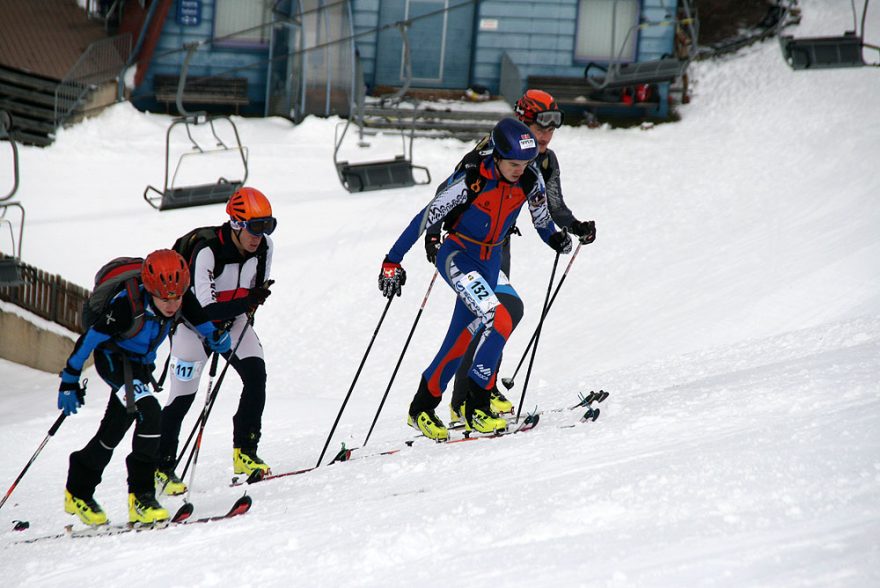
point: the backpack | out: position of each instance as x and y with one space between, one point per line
121 273
190 244
186 245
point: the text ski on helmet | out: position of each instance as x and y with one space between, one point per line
249 209
165 274
540 108
513 140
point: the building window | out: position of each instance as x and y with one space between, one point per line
232 16
606 30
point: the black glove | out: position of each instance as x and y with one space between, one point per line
585 230
432 246
560 242
391 278
257 296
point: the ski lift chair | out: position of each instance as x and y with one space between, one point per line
824 52
665 70
172 196
378 175
10 265
828 52
386 174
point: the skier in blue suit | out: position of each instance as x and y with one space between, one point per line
478 205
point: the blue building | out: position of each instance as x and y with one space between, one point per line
300 57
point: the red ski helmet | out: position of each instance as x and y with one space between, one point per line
165 274
539 107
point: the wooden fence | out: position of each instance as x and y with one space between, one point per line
47 296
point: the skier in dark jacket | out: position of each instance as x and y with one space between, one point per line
125 363
539 111
478 205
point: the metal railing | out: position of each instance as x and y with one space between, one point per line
102 61
48 296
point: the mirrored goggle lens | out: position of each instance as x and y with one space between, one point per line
257 226
549 118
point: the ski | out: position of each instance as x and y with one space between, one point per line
343 455
181 518
585 401
528 423
531 420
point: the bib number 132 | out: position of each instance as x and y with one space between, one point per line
479 292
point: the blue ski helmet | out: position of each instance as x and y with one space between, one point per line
514 140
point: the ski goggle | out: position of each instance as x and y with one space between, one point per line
256 226
549 118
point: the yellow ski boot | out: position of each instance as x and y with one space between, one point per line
456 416
88 511
483 420
429 425
499 403
144 508
245 461
169 484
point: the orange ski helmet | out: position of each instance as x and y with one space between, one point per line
539 107
165 274
248 203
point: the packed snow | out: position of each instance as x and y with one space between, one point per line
730 305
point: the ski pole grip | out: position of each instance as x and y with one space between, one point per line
214 358
57 423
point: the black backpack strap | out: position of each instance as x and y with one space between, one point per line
127 376
132 290
129 384
261 264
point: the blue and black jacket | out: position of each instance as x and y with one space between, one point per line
106 335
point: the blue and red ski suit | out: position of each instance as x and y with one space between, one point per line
478 207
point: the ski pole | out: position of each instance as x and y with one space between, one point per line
33 458
356 376
509 382
203 418
402 353
212 372
537 336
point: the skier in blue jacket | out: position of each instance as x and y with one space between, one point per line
541 113
478 205
125 362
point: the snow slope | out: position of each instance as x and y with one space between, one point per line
731 305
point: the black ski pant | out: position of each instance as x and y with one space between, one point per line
87 465
247 422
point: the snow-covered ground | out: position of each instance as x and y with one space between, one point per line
731 305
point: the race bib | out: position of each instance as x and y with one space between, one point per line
140 390
476 293
185 371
